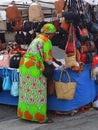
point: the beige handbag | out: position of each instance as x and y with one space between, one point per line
35 12
71 61
65 90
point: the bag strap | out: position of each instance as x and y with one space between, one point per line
66 73
5 71
14 75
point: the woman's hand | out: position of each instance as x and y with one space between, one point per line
57 62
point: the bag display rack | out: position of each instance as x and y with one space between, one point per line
86 91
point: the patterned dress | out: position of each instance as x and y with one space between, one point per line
32 104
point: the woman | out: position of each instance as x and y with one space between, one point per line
32 103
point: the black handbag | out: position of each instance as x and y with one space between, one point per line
27 26
48 71
15 60
48 68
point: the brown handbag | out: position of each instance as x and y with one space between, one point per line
64 25
14 17
50 87
59 4
65 90
12 12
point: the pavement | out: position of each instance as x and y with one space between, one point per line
82 121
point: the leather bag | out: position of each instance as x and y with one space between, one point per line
64 25
4 60
70 45
35 12
14 17
65 90
15 60
48 70
50 87
12 12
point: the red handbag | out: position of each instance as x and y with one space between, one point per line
70 46
95 61
83 57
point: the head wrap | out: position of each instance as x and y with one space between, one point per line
48 28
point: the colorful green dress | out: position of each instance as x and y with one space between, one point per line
32 104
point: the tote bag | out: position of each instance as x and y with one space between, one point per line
6 85
65 90
15 83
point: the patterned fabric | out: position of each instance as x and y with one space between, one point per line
48 28
32 104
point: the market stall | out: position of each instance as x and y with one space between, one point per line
86 88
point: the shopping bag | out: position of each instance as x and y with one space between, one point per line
15 83
65 90
6 80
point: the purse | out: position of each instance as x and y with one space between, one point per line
15 84
4 60
65 90
70 45
15 60
71 61
50 87
48 70
6 85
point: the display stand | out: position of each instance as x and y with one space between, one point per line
86 91
5 96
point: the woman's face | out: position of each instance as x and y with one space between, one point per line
50 35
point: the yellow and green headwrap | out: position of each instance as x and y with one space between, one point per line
48 28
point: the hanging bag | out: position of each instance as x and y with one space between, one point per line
70 45
65 90
15 84
6 86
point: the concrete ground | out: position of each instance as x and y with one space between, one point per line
83 121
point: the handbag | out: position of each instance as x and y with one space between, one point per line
4 60
6 85
65 90
15 83
70 45
15 60
50 87
71 61
48 70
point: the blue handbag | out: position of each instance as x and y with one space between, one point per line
15 83
6 85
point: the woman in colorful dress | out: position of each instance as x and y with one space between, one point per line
32 104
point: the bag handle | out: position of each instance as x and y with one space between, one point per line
66 73
14 75
5 71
